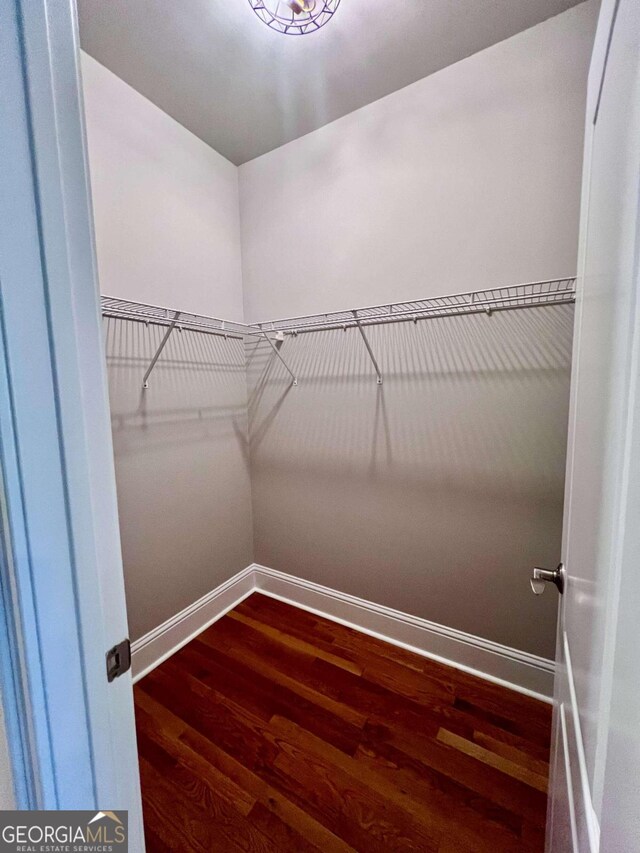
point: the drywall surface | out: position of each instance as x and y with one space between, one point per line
467 179
434 493
168 233
437 492
165 204
181 457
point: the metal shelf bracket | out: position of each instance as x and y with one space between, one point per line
277 352
163 343
368 346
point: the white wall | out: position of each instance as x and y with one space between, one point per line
165 204
182 471
438 491
168 232
466 179
434 493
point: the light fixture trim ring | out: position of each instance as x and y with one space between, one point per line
295 17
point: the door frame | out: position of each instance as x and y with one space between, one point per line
71 732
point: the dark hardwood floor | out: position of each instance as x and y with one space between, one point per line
276 730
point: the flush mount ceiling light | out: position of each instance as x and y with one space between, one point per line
295 17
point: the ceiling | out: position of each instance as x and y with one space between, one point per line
244 89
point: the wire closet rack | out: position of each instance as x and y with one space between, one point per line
559 291
552 292
124 309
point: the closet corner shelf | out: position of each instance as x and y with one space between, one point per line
560 291
124 309
139 312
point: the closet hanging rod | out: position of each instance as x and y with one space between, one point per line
559 291
221 333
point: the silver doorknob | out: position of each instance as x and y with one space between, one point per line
542 576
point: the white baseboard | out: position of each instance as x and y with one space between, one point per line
509 667
160 643
502 665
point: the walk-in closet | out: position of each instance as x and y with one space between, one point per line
338 255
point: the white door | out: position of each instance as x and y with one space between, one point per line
596 633
62 607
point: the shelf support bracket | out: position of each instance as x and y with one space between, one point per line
163 343
368 346
277 352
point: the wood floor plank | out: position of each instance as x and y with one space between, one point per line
270 797
356 812
279 730
512 714
261 791
334 638
171 725
183 824
161 819
282 834
239 734
513 753
251 648
440 699
533 731
316 750
509 793
467 720
475 821
301 645
302 622
193 763
267 697
153 842
369 697
429 815
504 765
362 696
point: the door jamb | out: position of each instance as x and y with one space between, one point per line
72 734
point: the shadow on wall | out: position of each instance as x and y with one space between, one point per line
434 493
182 468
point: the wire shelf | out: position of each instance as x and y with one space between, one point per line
560 291
123 309
553 292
